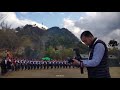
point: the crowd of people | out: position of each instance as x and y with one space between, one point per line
14 64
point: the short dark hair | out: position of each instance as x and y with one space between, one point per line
86 34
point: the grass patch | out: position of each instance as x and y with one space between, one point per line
56 73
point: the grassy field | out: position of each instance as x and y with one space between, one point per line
56 73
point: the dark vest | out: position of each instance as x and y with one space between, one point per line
101 70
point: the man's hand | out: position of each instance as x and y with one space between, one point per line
76 62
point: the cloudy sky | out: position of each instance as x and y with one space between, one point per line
104 25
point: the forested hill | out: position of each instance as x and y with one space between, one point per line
64 37
21 39
53 37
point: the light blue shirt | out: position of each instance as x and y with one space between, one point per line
97 56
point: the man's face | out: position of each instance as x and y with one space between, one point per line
86 40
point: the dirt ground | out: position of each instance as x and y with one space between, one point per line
56 73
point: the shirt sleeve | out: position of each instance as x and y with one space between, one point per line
97 56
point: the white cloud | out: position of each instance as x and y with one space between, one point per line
24 13
99 21
62 13
104 25
113 35
101 24
68 22
91 14
51 13
15 22
70 25
38 12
